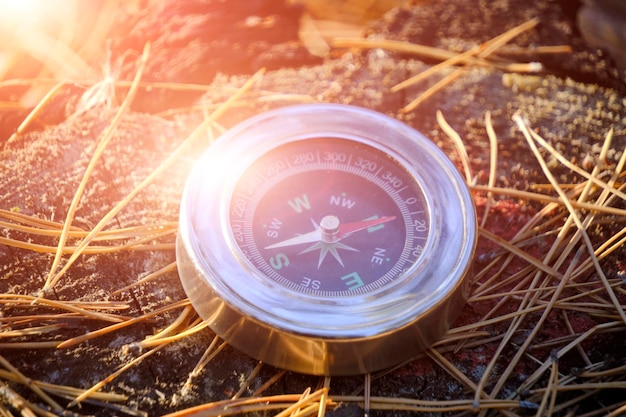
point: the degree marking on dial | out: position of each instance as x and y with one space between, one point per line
402 189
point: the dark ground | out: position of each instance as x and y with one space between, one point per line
572 104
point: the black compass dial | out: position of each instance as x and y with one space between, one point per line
329 217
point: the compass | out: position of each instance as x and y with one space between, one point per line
326 239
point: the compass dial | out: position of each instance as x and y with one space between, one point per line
326 239
330 217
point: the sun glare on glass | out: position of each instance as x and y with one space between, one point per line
28 14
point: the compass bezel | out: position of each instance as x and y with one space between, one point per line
312 334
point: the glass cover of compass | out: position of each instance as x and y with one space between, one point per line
326 239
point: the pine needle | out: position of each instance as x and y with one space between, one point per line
161 169
107 136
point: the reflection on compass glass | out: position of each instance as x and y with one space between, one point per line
329 217
338 241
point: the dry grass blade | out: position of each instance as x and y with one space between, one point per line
214 348
163 340
502 318
445 55
33 114
94 389
306 404
137 245
31 331
248 381
154 275
454 371
54 230
39 224
62 390
516 250
482 51
124 323
526 131
83 309
55 54
474 56
198 132
181 322
403 47
529 300
526 195
324 401
33 387
431 91
367 394
458 143
52 278
589 177
617 412
12 399
493 164
276 377
548 401
423 406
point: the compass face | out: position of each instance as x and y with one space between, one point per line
326 239
330 217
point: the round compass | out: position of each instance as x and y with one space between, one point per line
326 239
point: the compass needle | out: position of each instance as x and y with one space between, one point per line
314 236
348 229
318 234
340 239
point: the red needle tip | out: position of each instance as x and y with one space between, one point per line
349 228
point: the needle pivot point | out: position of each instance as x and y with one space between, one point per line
330 229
